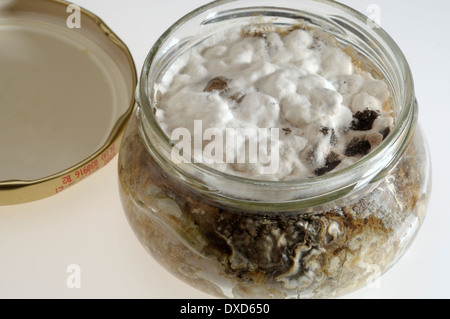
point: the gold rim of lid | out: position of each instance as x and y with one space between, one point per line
15 192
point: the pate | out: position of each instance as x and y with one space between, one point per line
329 111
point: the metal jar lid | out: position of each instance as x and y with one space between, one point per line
66 92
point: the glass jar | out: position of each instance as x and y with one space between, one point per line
320 237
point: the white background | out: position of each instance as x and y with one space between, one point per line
86 225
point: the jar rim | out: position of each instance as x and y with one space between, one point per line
355 175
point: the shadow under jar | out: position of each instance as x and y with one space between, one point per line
320 237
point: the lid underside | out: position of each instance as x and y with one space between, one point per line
65 94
